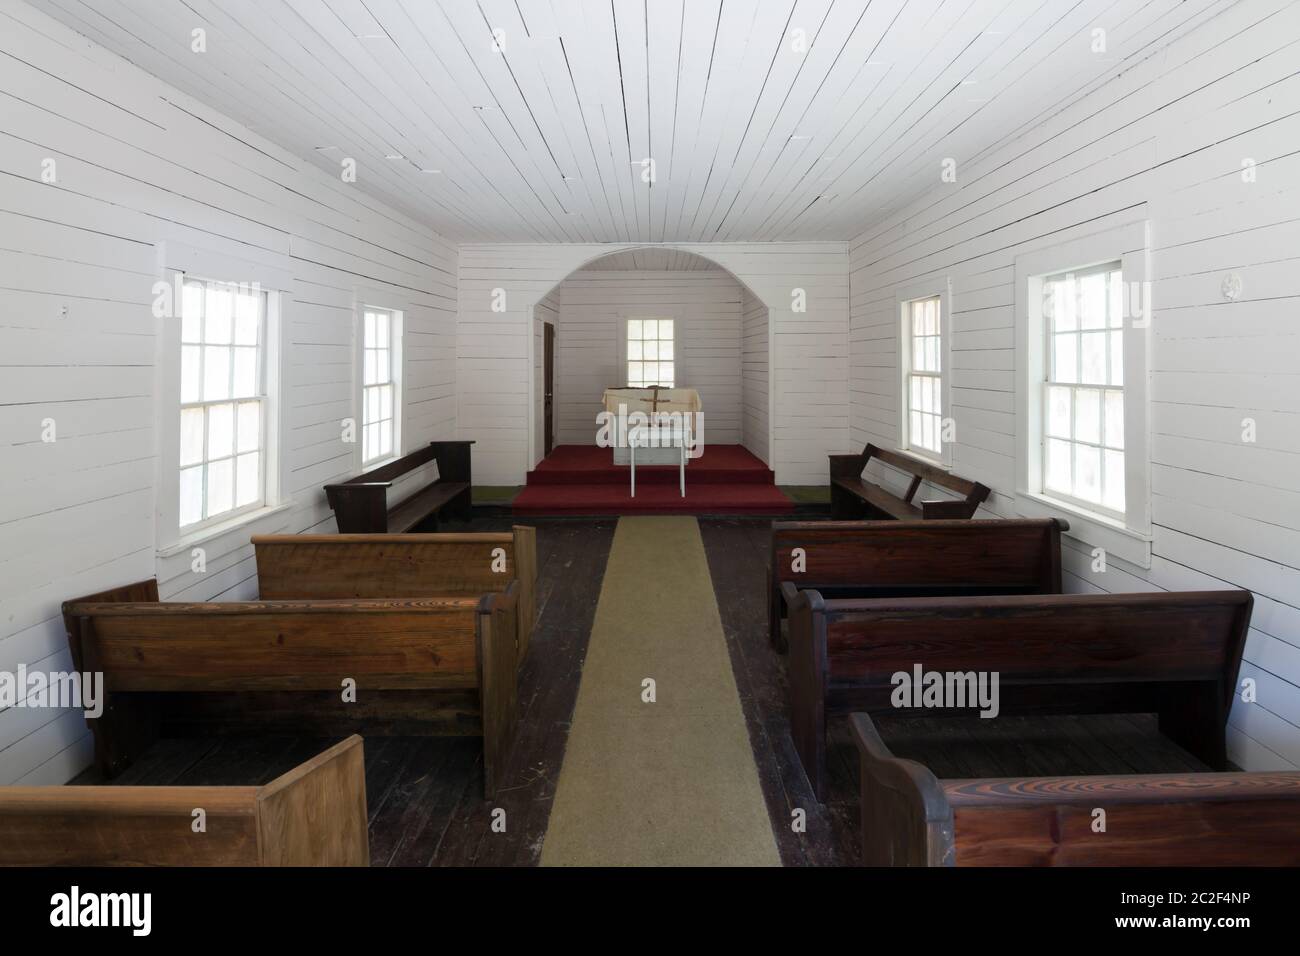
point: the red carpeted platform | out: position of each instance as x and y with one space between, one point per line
579 479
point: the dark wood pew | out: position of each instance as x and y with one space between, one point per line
910 817
293 567
859 559
314 815
420 665
1175 654
361 505
852 496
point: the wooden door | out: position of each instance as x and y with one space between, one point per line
548 387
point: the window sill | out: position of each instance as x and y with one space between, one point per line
925 457
205 535
1090 528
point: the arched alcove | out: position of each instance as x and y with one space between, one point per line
754 368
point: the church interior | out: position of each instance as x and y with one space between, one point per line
639 433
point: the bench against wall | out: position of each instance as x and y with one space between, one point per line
852 496
314 815
361 506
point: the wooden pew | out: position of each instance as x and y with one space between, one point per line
294 567
314 815
852 496
859 559
292 659
910 817
1175 654
361 506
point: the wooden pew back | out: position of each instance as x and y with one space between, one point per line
1092 639
350 566
314 815
428 643
398 645
863 559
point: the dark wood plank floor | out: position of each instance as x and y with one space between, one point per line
425 794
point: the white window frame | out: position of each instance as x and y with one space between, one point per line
396 361
175 262
678 349
260 395
942 290
1126 536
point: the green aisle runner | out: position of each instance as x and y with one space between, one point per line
671 782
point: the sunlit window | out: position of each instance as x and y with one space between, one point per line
923 371
379 386
650 358
1083 410
223 400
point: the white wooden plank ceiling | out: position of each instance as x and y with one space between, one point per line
531 120
655 260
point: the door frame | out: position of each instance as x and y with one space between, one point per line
548 388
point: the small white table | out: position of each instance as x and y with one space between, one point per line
676 438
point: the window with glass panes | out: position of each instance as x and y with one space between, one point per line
378 393
924 374
223 399
1083 404
650 353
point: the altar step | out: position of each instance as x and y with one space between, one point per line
608 499
589 465
579 480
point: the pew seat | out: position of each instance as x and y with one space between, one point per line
913 816
314 815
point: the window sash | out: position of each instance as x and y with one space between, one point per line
378 430
923 332
1072 371
643 337
258 397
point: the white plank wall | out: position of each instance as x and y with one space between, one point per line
1164 139
810 346
139 163
706 308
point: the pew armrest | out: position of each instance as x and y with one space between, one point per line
498 663
359 507
906 817
453 459
315 815
947 509
847 466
